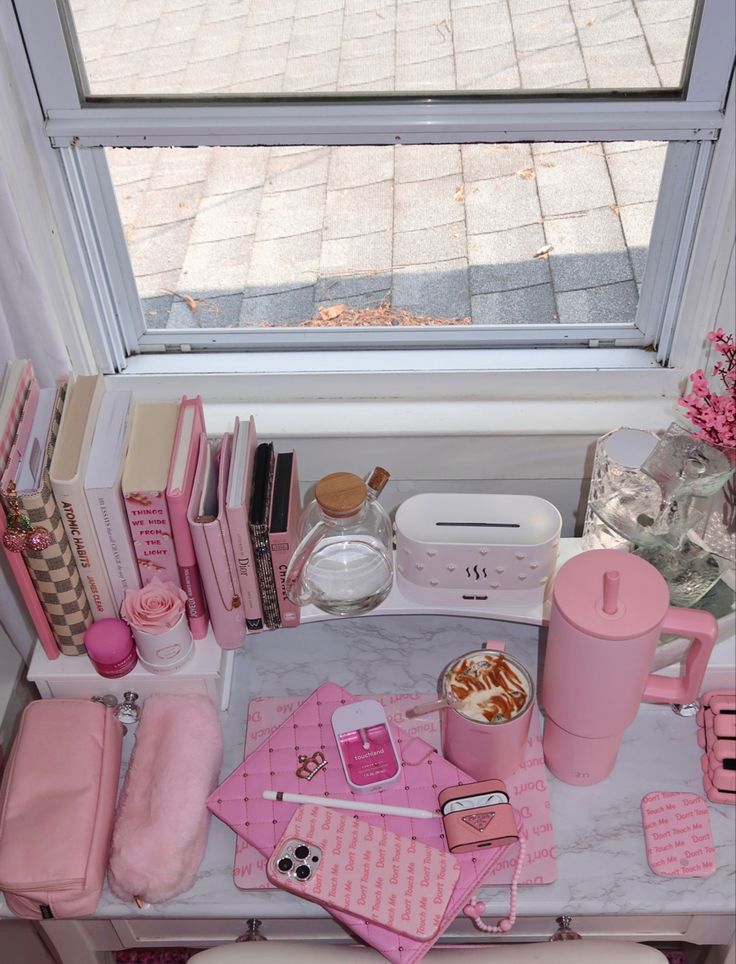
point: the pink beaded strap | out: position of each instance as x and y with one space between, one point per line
476 908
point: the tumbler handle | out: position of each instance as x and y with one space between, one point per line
702 628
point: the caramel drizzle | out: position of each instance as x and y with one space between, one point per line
470 677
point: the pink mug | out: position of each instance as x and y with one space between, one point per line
484 749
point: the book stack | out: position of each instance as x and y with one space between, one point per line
128 493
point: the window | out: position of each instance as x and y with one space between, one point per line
427 174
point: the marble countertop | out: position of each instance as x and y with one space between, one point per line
602 865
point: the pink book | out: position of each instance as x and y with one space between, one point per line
144 489
189 429
211 537
239 491
53 568
17 383
282 534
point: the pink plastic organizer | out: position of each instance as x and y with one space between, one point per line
717 737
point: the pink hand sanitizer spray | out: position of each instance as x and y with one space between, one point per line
367 751
609 610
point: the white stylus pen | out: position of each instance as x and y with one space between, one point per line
348 804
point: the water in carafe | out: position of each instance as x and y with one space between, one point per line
344 563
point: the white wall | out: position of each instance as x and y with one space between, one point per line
12 691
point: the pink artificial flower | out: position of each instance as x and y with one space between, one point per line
155 608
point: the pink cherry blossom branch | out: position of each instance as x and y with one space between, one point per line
714 414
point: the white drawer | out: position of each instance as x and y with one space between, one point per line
80 689
699 929
209 672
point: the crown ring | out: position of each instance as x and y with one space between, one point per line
311 765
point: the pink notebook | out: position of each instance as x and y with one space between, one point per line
23 382
211 538
189 430
238 802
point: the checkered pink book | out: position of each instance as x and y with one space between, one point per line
18 380
528 789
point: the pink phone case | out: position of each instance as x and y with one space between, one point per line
397 882
678 835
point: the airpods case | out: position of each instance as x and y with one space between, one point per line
477 815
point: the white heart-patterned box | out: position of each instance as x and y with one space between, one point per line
455 548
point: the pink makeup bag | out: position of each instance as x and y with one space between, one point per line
57 801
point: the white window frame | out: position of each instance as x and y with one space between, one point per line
79 131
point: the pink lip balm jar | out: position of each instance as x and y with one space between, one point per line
110 646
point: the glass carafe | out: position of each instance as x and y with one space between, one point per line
344 562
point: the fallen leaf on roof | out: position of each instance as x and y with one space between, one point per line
382 316
444 25
334 311
614 208
459 195
527 174
191 303
543 252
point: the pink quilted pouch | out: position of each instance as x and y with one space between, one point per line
57 802
160 831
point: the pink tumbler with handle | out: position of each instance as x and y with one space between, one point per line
609 610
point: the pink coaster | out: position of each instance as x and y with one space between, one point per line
527 787
677 834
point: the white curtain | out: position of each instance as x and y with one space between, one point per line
27 327
28 322
27 330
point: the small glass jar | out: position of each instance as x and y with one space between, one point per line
344 562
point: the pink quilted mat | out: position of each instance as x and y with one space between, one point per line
528 788
238 801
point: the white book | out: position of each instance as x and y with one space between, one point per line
30 468
68 469
104 494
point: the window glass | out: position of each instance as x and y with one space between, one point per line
246 47
434 235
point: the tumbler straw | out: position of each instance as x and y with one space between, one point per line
422 708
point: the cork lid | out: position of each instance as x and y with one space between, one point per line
341 493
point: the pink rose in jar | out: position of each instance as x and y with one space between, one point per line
154 609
